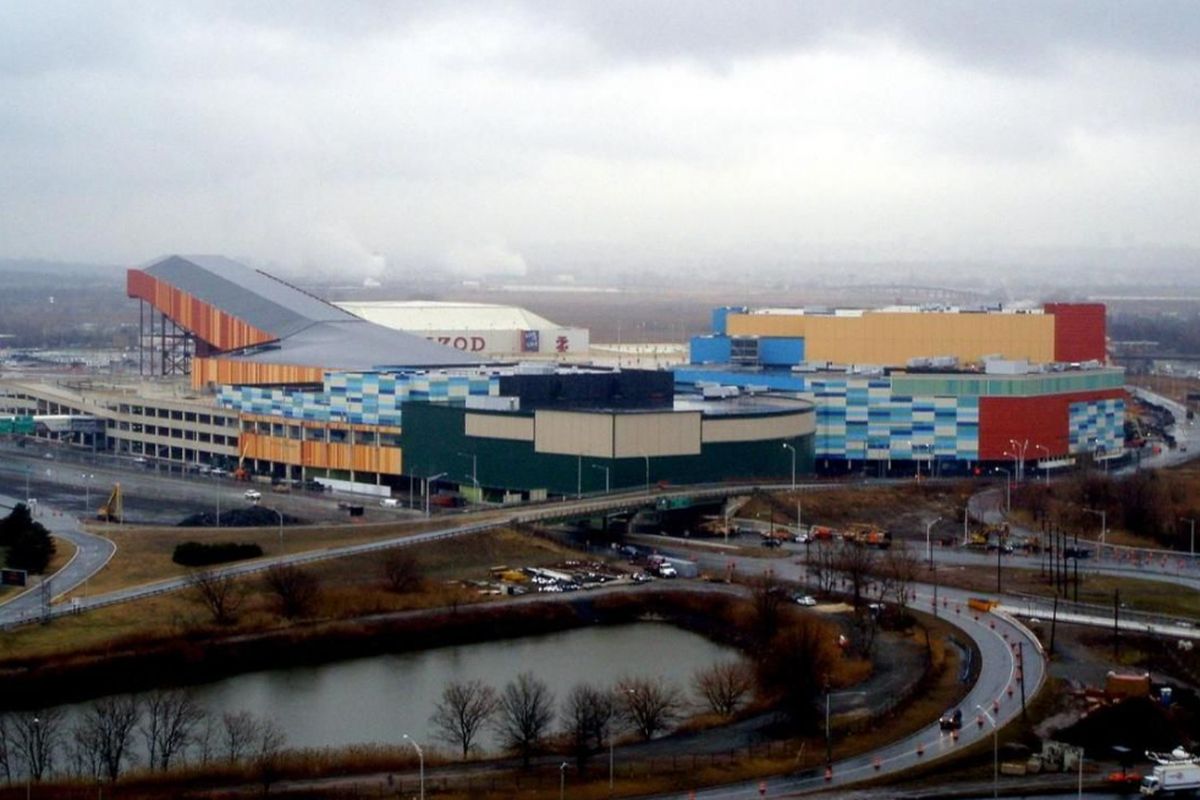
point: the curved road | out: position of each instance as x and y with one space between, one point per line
91 554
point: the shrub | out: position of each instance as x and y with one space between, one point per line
199 554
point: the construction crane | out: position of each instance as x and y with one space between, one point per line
113 509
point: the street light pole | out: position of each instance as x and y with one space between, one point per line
1192 522
647 473
562 781
793 449
428 488
420 765
607 473
1007 489
1045 467
1103 521
279 514
474 465
928 543
828 736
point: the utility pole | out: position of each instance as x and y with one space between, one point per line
1021 669
1116 623
1053 624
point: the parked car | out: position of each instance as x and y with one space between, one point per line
951 720
390 502
806 600
253 495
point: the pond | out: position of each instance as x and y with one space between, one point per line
381 698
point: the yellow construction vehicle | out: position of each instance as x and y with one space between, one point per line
113 509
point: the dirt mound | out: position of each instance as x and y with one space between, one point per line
252 517
1139 723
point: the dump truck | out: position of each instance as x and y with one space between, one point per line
1172 779
867 535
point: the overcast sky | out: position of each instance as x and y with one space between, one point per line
486 136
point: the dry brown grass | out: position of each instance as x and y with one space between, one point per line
144 553
350 587
1136 594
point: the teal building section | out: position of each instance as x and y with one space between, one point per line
434 441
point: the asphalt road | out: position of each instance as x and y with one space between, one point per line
988 702
91 554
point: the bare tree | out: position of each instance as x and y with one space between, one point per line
856 563
588 714
769 597
526 713
402 571
796 667
465 708
899 572
36 738
296 590
724 686
649 706
221 594
820 563
105 733
239 733
171 717
6 765
267 750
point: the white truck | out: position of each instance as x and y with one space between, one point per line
1171 779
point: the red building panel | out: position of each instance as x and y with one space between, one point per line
1039 420
1080 331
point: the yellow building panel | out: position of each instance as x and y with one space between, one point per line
766 324
892 338
361 458
225 371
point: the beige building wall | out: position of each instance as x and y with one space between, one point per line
665 434
750 429
573 433
500 426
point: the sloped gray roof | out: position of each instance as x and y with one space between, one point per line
357 344
267 303
308 330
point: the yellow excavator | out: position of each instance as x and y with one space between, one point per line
113 509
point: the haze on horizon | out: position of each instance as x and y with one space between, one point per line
364 138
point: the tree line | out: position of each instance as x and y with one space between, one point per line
158 731
527 719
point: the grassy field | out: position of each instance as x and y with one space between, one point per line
1137 594
144 553
350 587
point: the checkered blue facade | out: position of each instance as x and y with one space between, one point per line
361 398
1097 425
860 418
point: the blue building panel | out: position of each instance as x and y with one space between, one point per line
711 350
780 351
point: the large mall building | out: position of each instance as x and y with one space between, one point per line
241 369
932 387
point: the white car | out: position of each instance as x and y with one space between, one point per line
253 495
390 502
806 600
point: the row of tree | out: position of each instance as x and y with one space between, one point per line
523 713
158 730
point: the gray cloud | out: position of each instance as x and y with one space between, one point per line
354 135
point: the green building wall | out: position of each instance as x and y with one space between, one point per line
434 441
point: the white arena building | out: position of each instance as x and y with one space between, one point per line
483 329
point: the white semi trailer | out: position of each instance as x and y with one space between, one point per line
1172 779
